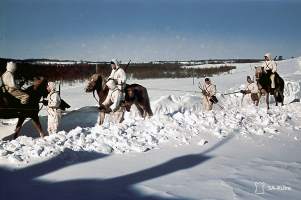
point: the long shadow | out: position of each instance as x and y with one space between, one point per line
22 184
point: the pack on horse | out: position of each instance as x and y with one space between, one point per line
10 107
264 86
134 94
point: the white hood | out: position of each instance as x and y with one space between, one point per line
115 62
269 55
11 67
51 86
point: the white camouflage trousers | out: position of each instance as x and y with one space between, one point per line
206 103
54 119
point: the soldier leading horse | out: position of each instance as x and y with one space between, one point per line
134 94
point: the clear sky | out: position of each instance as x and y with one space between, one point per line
143 30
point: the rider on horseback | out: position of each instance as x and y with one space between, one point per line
270 67
10 85
116 84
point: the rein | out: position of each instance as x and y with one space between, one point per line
95 97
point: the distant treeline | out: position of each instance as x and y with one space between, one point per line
80 71
66 72
143 71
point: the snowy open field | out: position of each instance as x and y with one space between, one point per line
234 152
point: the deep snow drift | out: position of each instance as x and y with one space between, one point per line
253 145
176 118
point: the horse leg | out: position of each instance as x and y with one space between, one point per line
101 117
128 106
140 109
19 126
149 110
267 100
146 108
37 125
119 115
282 98
259 96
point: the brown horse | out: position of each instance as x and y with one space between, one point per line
10 107
264 85
134 94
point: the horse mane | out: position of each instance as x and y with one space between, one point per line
264 80
37 84
35 91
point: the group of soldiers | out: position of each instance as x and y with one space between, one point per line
116 83
209 89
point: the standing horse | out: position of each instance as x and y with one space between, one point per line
10 107
264 85
134 94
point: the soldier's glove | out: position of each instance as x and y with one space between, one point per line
108 110
44 102
115 109
103 108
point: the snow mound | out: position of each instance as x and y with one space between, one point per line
292 91
177 120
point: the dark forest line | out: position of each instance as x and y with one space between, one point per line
79 71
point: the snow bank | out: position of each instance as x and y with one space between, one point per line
177 119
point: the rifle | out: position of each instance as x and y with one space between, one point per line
126 67
232 93
63 104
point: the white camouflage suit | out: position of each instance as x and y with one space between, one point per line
10 84
272 66
54 112
252 88
210 90
116 83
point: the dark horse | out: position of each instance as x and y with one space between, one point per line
10 107
134 94
264 85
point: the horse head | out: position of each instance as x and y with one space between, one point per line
258 72
94 83
40 87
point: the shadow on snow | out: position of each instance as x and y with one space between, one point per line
23 183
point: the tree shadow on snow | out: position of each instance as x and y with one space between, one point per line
22 183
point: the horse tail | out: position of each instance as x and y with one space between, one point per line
147 103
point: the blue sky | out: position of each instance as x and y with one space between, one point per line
144 30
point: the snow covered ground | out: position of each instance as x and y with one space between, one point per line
233 152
